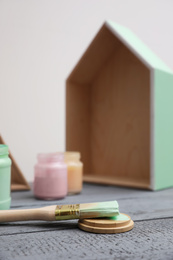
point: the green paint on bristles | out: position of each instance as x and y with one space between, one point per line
100 209
119 217
110 208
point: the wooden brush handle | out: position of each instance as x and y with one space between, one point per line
46 213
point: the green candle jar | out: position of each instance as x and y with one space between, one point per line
5 177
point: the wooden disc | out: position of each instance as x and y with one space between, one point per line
121 224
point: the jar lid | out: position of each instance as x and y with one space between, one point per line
72 155
50 157
3 149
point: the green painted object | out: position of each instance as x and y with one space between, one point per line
163 130
161 110
130 84
161 105
5 177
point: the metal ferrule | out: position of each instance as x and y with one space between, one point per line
63 212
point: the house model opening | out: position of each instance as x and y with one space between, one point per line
119 112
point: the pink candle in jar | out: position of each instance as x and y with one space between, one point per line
50 178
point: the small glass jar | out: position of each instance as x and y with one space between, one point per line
50 179
5 177
75 172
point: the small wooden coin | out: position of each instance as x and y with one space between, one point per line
118 224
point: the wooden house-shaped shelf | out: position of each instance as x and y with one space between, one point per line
119 112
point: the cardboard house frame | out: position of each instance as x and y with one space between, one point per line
119 112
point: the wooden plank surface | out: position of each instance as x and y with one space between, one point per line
151 238
148 240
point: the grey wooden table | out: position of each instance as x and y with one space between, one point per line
151 238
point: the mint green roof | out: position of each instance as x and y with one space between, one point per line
138 47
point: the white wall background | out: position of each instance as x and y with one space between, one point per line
40 42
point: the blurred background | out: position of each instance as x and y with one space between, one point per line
40 43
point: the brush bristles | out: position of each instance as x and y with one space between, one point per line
99 209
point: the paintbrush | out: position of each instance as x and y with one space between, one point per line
62 212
